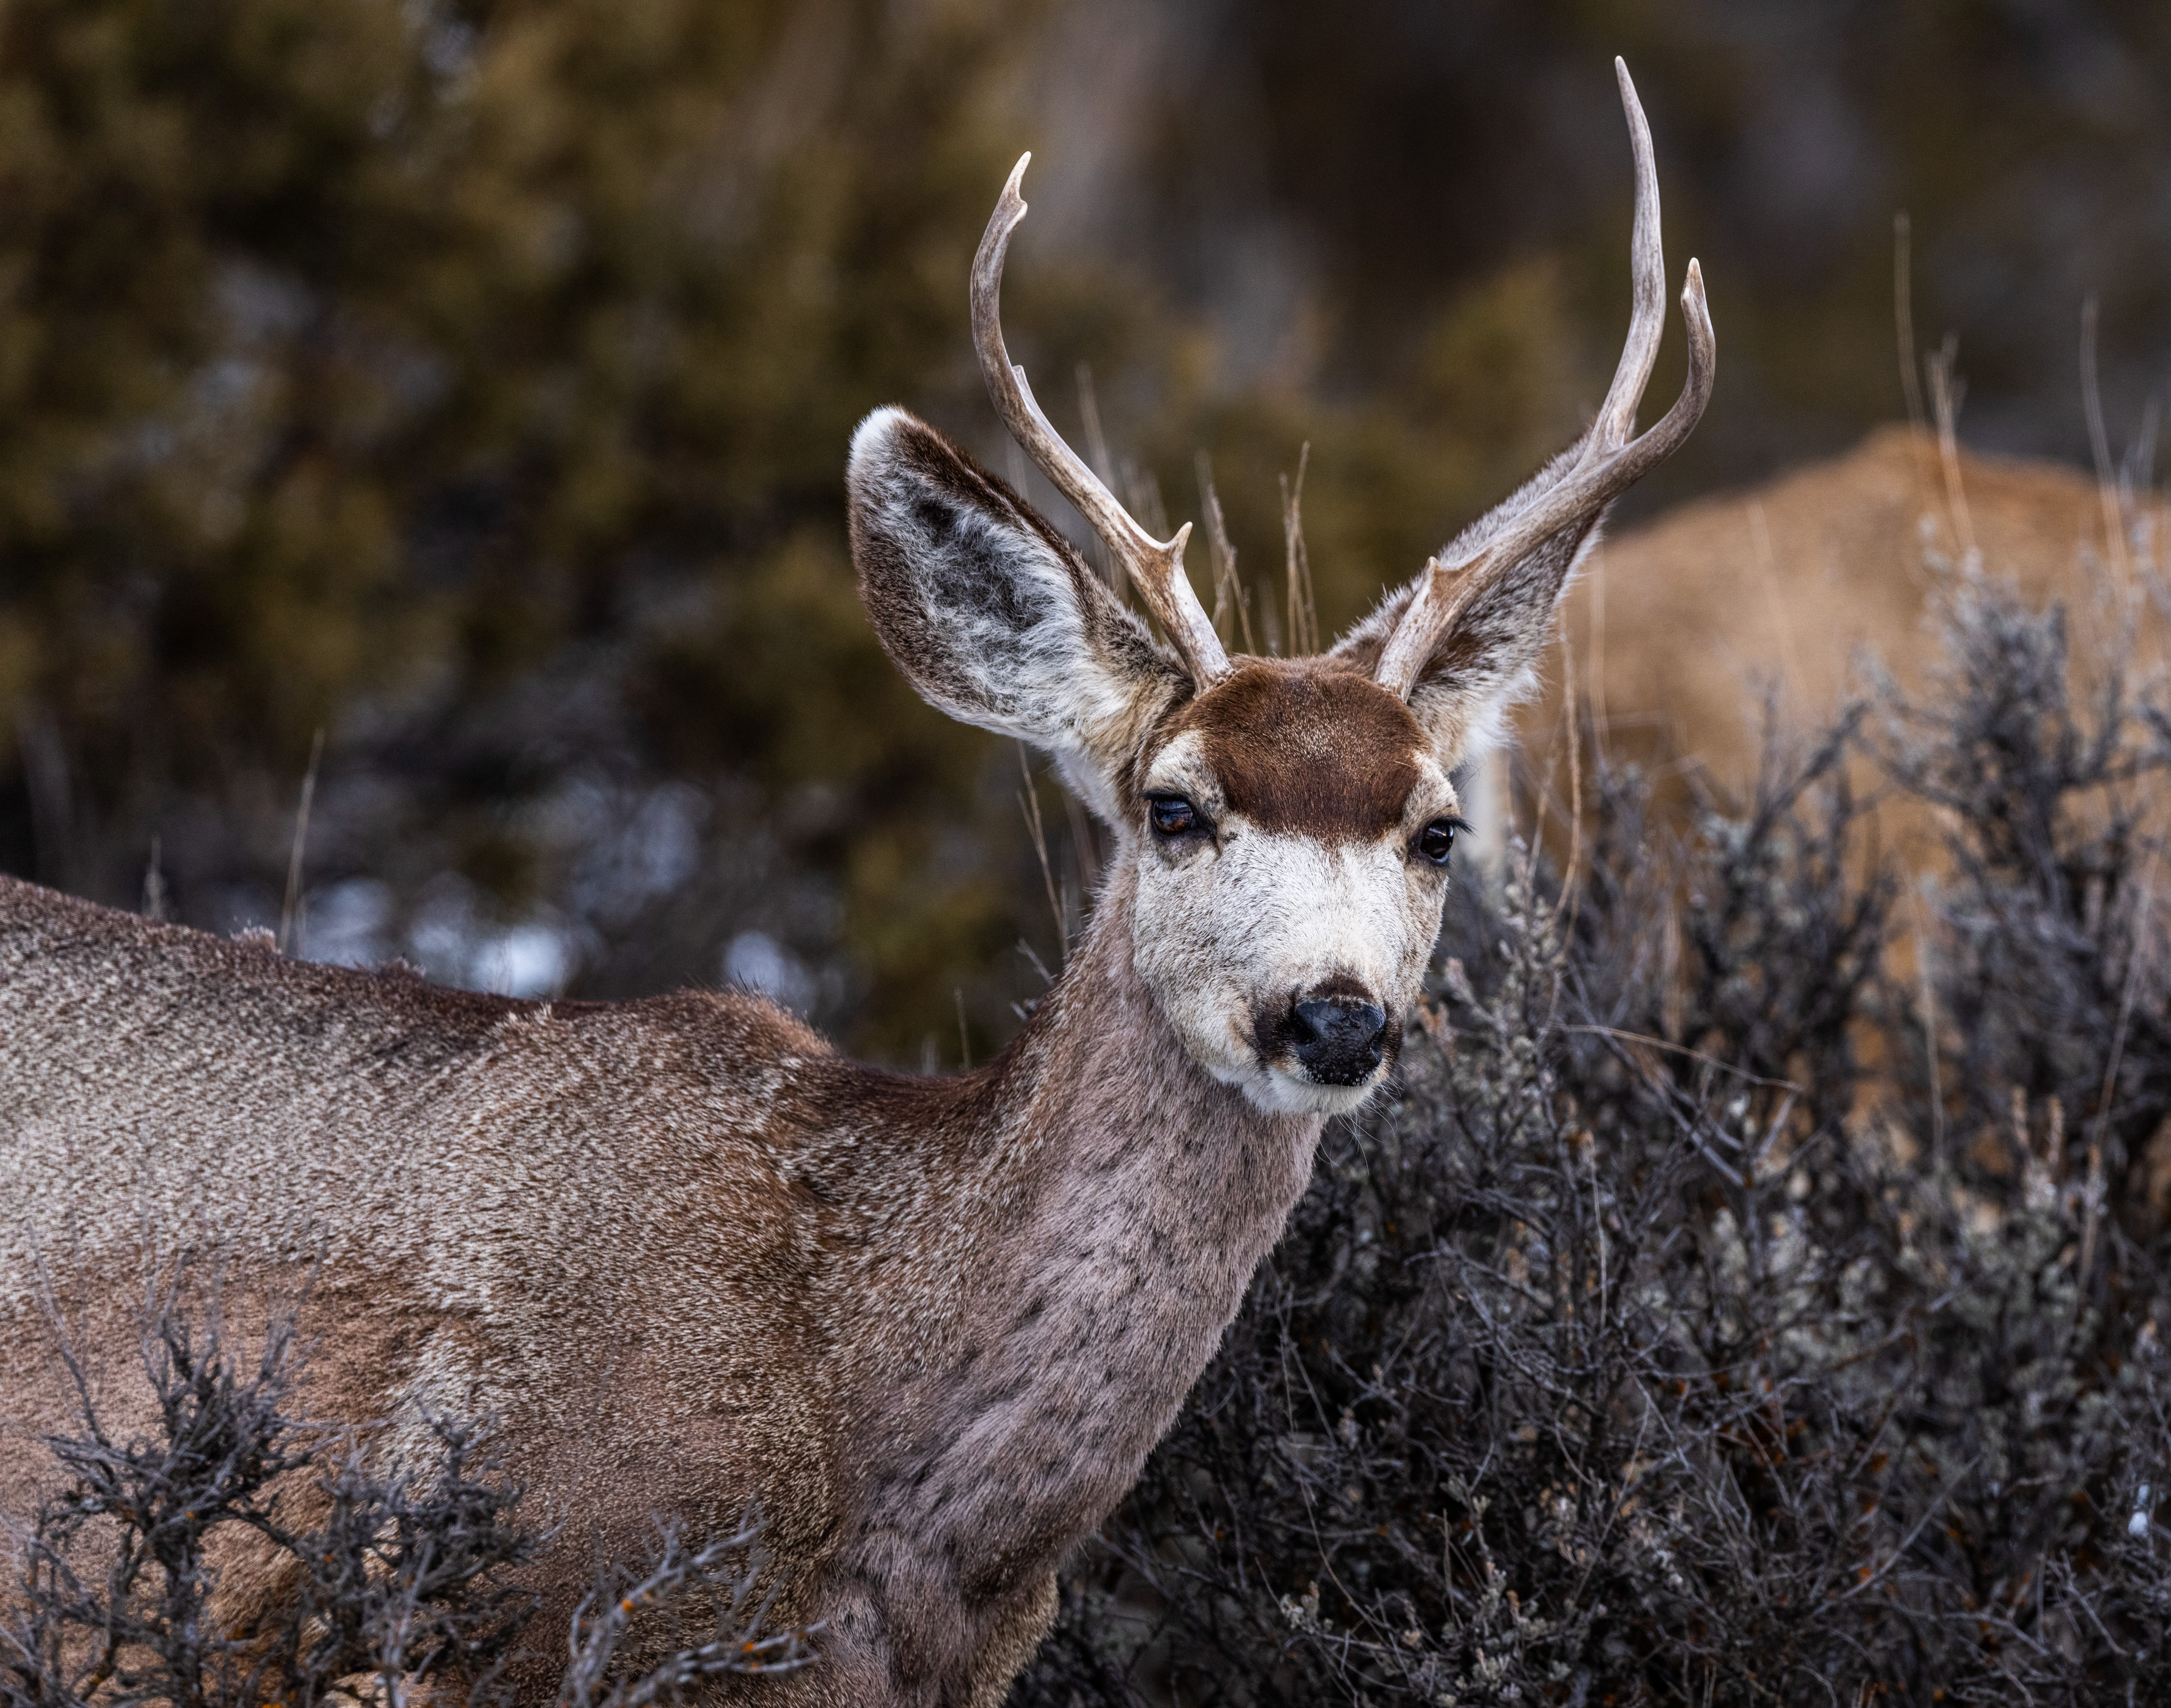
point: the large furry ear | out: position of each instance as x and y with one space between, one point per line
1479 669
992 615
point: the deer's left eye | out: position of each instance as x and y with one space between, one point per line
1437 838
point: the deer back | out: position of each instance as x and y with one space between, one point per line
1680 623
482 1206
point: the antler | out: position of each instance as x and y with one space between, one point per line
1610 462
1155 567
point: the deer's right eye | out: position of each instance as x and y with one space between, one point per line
1171 815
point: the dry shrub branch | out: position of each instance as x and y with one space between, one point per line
1731 1309
404 1580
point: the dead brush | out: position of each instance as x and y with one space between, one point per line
407 1577
1712 1319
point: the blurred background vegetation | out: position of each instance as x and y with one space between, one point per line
471 382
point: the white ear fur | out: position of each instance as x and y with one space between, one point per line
1479 670
991 614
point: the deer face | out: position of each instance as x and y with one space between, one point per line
1292 827
1284 823
1284 829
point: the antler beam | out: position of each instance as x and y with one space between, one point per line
1155 567
1611 461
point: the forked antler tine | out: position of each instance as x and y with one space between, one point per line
1448 589
1647 319
1155 567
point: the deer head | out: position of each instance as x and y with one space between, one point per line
1284 825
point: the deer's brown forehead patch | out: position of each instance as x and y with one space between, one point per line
1308 745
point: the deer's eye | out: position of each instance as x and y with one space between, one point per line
1171 815
1437 838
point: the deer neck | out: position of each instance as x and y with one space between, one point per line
1101 1209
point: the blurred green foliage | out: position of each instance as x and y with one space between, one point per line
355 352
473 381
364 362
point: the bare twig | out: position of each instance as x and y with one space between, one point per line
1029 804
1303 604
1903 315
290 915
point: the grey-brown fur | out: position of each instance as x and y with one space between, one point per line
994 616
686 1254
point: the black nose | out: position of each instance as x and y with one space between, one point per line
1340 1039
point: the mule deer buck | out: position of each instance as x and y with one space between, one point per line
686 1255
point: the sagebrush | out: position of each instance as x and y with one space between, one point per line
403 1581
1755 1293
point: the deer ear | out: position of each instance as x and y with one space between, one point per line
1486 661
992 615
